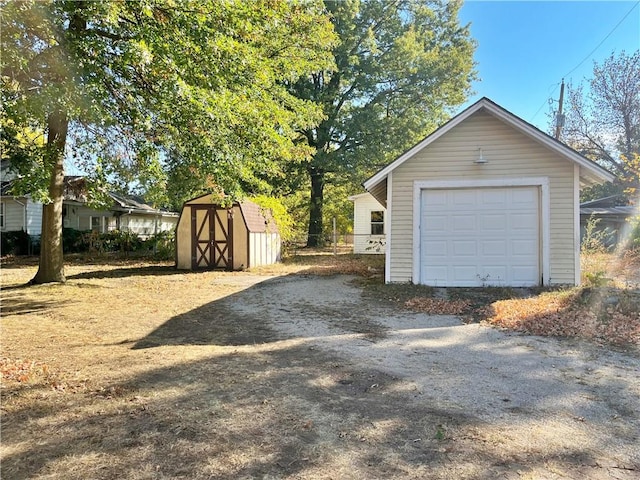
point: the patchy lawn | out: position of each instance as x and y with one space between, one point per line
606 309
135 370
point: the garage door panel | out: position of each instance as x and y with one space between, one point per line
494 248
437 276
462 273
465 248
524 196
494 222
463 223
490 236
493 197
493 275
435 248
524 248
463 198
524 221
437 225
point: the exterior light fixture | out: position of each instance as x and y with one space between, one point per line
480 160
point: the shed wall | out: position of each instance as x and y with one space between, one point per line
510 154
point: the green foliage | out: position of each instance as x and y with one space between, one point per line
163 244
632 242
73 241
164 98
400 69
283 220
594 240
602 117
17 243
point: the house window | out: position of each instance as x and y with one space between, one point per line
1 214
377 223
96 224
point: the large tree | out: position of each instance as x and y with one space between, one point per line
124 87
603 119
401 65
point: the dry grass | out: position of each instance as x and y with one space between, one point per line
606 309
85 394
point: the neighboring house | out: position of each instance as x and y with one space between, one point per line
369 224
487 199
127 213
611 218
211 236
19 213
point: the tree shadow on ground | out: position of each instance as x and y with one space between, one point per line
262 402
289 412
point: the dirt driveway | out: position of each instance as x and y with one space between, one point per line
314 377
505 403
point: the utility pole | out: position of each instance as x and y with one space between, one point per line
560 116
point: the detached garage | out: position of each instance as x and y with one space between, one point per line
487 199
212 236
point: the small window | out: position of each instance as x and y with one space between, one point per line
96 224
1 214
377 223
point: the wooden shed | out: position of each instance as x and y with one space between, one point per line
211 236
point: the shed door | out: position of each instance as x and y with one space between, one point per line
211 237
480 236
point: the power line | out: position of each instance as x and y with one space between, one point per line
603 40
549 98
546 102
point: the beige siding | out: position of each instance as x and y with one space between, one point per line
363 241
510 154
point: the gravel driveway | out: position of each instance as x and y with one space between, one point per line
576 402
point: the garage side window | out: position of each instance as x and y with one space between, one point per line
377 223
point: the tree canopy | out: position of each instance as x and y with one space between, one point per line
603 120
133 90
400 68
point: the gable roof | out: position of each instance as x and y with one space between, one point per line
590 172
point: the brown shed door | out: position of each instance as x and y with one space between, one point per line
211 237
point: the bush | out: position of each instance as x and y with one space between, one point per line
15 243
74 241
163 244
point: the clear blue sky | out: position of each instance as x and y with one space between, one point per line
525 48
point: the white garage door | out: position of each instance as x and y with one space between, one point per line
480 236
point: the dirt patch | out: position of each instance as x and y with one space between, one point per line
138 371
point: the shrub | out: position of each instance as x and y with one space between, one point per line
15 243
163 244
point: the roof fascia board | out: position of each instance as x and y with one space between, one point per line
375 179
509 118
546 140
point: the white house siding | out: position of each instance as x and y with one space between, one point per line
510 154
34 218
22 214
147 225
363 241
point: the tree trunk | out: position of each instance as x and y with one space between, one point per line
51 268
314 238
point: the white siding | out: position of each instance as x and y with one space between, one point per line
22 214
34 218
264 248
510 154
363 205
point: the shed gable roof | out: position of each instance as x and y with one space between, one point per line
590 172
